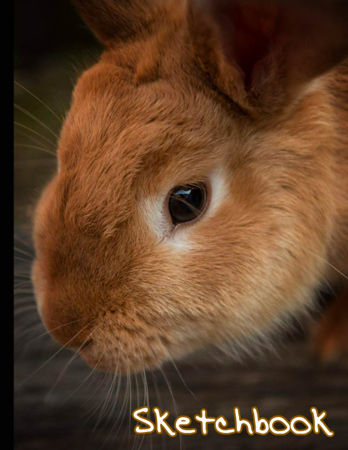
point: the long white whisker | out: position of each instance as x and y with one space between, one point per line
57 352
329 264
29 114
67 365
39 100
36 147
52 329
36 133
182 379
83 382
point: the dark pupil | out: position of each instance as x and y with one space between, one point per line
186 203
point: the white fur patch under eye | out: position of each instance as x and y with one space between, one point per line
182 238
155 217
219 191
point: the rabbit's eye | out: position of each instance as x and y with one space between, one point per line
186 203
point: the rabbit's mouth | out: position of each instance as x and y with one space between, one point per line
116 338
117 359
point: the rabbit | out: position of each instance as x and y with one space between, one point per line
201 193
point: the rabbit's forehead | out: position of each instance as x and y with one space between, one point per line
122 143
109 108
103 190
115 127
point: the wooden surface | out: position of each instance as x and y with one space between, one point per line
63 406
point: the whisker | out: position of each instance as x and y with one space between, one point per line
23 292
115 400
25 299
123 408
137 406
92 410
35 147
108 397
146 397
23 242
329 264
39 100
23 274
159 401
182 379
23 252
30 327
67 365
22 283
114 403
24 309
92 371
20 258
58 351
32 138
53 329
130 409
25 127
169 389
22 277
105 403
37 120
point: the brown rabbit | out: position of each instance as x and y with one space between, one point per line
202 189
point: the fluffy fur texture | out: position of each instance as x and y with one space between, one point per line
257 103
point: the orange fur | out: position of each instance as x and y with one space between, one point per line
165 106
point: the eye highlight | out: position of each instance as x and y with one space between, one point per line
186 203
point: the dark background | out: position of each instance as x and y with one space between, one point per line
42 27
59 403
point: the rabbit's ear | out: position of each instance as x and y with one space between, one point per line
265 53
115 21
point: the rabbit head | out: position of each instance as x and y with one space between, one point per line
192 201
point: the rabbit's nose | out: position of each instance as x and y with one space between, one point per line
67 327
